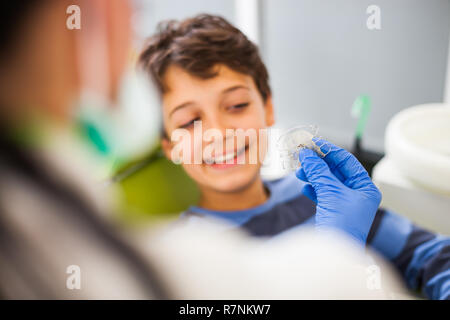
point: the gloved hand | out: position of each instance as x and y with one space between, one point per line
346 197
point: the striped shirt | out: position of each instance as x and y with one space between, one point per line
421 257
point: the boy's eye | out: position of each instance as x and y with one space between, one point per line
189 124
239 106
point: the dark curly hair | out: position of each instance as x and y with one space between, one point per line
198 44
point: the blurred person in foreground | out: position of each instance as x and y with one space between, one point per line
52 210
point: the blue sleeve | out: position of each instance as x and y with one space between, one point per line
422 257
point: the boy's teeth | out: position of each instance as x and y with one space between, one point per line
228 156
225 158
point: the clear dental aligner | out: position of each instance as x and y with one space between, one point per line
295 139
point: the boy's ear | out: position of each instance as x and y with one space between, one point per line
166 147
270 118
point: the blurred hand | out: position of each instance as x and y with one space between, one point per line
346 197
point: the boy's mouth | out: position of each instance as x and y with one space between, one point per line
227 160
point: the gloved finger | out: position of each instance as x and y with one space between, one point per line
344 165
326 147
316 170
308 191
300 173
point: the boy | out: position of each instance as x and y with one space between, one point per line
208 71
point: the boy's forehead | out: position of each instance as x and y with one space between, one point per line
179 82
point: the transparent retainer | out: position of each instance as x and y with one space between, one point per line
297 138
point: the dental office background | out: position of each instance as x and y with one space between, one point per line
321 56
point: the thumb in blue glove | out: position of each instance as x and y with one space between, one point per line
346 197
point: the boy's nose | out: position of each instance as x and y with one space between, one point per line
218 123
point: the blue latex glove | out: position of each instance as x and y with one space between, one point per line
346 197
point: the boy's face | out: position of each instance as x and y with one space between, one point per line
230 100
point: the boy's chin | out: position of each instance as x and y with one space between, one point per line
233 181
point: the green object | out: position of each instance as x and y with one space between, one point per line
159 189
93 134
361 110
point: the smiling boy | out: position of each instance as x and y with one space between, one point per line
208 71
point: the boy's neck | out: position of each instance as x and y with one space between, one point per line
251 196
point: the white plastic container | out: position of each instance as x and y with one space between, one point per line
414 176
418 143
